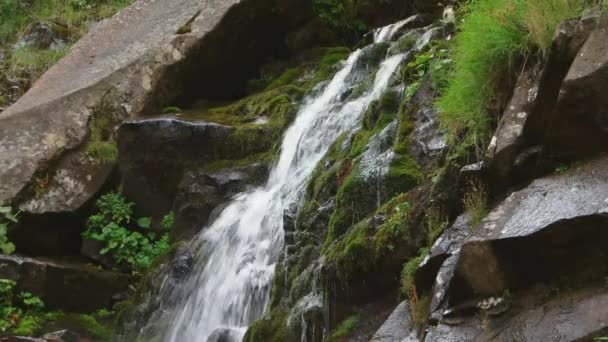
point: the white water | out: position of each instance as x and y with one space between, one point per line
230 284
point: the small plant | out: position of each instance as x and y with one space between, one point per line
168 221
345 328
7 218
136 247
436 223
476 203
561 169
20 313
172 110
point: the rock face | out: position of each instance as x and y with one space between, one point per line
126 66
397 328
64 285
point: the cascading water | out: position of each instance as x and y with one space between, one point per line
229 285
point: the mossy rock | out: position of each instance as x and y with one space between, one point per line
273 327
83 325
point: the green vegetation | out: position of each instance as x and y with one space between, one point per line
19 312
102 145
136 247
7 218
344 328
436 223
273 327
476 203
69 20
493 37
364 245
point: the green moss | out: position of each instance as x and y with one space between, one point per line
408 287
101 144
171 110
404 174
271 328
344 328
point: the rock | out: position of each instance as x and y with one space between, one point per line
437 269
127 66
200 193
375 162
62 336
579 125
152 171
64 285
537 234
223 335
40 36
306 318
509 139
447 333
398 327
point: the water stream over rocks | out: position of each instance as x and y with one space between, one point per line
234 258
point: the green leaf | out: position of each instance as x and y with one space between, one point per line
144 222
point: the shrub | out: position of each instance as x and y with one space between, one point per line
7 218
20 313
136 247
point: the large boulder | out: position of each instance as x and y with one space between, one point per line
551 230
134 63
64 285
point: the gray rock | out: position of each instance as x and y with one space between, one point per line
306 318
136 63
40 36
564 211
398 326
64 285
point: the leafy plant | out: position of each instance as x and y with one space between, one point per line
7 218
344 328
21 313
136 247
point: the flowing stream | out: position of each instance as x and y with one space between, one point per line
229 285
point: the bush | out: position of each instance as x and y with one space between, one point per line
136 247
7 218
20 313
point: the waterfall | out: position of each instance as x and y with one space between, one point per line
229 285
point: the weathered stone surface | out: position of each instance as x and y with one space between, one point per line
524 238
154 154
306 318
138 60
64 285
40 36
579 125
509 138
398 327
200 192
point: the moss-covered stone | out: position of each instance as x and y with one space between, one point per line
273 327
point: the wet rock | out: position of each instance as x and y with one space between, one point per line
398 327
62 336
223 335
509 139
64 285
40 36
437 269
306 318
152 171
447 333
375 162
579 125
135 64
538 233
199 193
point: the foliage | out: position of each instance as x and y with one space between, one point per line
20 313
69 19
476 203
33 62
7 218
273 327
341 15
136 249
493 35
344 328
408 287
102 146
436 223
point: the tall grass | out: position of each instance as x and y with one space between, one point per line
493 34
